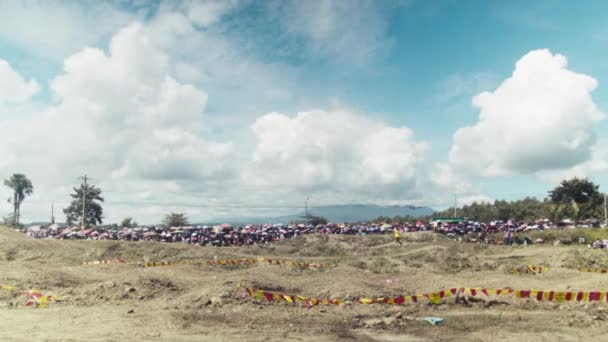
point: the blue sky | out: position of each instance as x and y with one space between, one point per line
213 107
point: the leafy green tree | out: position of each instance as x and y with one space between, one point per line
312 219
580 190
128 222
175 220
581 195
93 210
22 187
527 209
556 212
576 210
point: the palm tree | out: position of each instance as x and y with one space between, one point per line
22 187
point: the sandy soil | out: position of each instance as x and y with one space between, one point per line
121 302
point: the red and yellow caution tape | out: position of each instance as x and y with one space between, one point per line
433 297
224 262
198 262
594 270
437 297
537 269
530 269
36 298
103 262
281 297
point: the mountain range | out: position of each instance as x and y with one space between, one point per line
338 213
333 213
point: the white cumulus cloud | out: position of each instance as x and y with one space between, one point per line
541 118
597 165
129 110
336 151
120 117
58 28
13 87
134 116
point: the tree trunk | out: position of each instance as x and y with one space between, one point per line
18 213
15 213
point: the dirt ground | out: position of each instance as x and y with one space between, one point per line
124 302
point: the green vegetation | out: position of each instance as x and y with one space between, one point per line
22 187
128 222
580 197
176 220
396 219
527 209
311 219
576 198
93 210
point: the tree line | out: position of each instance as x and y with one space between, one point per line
23 187
576 198
85 198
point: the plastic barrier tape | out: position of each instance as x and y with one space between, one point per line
36 298
594 270
108 261
438 297
433 297
530 269
236 262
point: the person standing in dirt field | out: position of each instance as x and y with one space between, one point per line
397 236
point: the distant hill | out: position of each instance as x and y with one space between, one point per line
333 213
339 213
367 212
32 224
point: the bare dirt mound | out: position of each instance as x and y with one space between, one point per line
15 245
10 234
124 302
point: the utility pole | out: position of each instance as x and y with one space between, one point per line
455 203
52 213
84 193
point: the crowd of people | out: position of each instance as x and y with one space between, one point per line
514 233
223 235
496 232
471 231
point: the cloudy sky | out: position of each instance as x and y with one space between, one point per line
218 108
